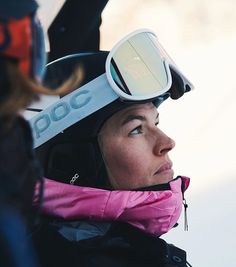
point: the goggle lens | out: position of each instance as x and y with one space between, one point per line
135 69
138 68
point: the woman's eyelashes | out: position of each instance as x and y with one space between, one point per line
139 129
136 130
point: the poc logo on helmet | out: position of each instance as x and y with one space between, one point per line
74 178
71 109
60 111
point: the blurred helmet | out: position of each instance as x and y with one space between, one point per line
21 37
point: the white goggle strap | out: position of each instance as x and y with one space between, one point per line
71 108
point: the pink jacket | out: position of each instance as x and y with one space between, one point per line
154 212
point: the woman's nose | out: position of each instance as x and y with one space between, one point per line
163 144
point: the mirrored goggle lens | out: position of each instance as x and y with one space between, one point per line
137 68
172 64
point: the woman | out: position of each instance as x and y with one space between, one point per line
110 191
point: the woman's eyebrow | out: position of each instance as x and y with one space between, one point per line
133 117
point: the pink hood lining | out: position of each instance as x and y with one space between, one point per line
152 211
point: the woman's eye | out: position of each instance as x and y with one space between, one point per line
137 130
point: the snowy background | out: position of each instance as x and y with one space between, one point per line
201 37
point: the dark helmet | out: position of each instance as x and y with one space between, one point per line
15 9
73 156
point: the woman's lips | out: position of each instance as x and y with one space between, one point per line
167 167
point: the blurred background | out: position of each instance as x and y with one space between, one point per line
200 35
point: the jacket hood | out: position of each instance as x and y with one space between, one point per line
154 212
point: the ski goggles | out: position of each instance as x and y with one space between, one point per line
137 70
23 39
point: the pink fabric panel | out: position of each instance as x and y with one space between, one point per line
152 211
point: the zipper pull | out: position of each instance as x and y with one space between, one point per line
185 215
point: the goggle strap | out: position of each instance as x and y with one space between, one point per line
71 109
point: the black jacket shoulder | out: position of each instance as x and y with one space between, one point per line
122 246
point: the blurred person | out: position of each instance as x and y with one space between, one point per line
22 64
110 190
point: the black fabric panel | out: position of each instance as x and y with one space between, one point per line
122 246
76 28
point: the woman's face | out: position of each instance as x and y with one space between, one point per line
134 149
